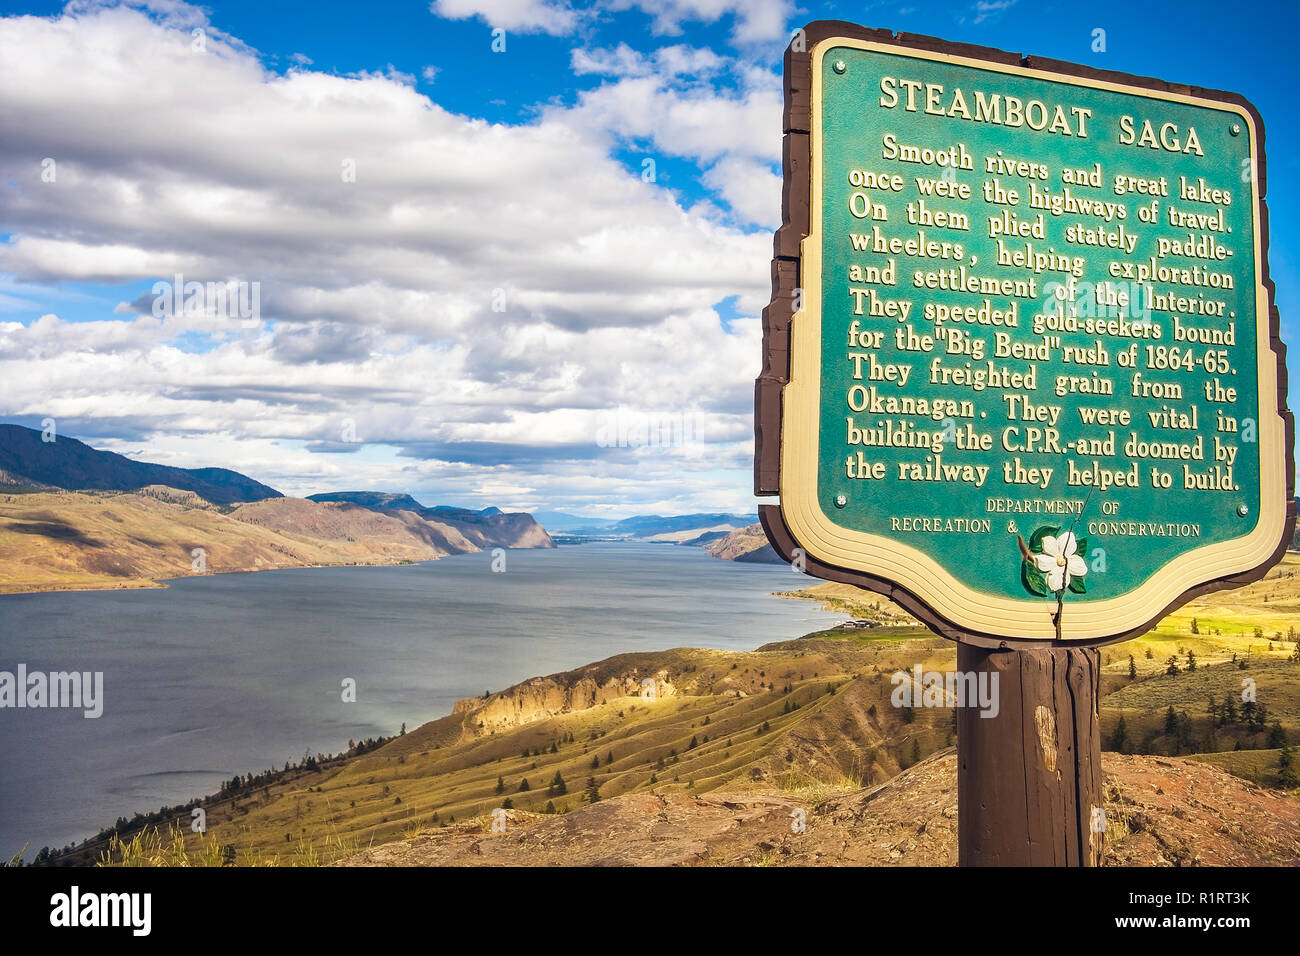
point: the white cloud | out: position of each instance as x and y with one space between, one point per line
696 122
752 189
237 172
380 292
525 16
620 61
756 21
988 9
669 61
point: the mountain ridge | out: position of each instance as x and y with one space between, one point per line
68 540
74 517
694 755
27 459
490 527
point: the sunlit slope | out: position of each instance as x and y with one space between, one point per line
94 540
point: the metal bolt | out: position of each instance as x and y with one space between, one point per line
1242 510
1235 129
841 501
840 66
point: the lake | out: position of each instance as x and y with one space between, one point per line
232 673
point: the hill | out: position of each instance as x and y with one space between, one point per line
489 528
708 771
736 740
572 524
660 526
748 544
27 461
1161 813
691 529
107 539
378 500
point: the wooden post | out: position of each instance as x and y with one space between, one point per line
1029 778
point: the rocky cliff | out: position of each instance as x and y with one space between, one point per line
748 544
545 697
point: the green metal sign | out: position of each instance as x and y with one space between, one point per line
1033 381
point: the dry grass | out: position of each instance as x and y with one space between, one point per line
447 772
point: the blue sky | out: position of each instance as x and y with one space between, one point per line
542 248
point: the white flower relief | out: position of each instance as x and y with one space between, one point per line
1059 561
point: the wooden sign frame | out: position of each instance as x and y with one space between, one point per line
789 273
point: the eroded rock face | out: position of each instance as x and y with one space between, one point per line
514 531
1161 812
544 697
748 544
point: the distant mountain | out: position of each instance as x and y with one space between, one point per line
707 537
385 501
686 529
56 540
75 517
651 526
572 524
489 528
372 499
60 540
72 465
463 514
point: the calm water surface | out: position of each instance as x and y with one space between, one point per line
233 673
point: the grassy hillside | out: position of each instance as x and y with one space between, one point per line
489 528
91 540
863 605
807 719
800 716
1241 641
1159 812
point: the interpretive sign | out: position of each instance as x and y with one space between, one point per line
1022 366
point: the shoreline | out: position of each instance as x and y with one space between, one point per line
161 583
853 601
155 584
334 761
418 710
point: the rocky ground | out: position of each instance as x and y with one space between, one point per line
1161 812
